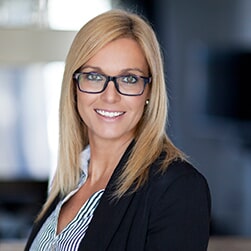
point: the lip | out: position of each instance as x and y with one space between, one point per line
109 114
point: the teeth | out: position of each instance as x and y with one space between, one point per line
109 114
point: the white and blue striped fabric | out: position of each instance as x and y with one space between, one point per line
70 237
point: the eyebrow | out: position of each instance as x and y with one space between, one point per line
126 70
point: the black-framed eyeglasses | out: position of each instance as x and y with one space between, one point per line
94 83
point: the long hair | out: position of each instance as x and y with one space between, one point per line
150 138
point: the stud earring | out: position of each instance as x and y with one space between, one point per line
147 101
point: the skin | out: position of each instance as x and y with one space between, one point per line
109 135
118 57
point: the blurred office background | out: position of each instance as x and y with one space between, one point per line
207 51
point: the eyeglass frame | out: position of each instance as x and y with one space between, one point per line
147 80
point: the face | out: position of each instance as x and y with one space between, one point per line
110 115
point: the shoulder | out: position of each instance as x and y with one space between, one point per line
177 169
179 207
180 177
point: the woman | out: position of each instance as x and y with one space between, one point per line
120 183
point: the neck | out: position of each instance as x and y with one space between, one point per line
105 156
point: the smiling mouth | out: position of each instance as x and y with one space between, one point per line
109 114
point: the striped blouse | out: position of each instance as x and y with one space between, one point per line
70 237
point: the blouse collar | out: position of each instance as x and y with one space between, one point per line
84 160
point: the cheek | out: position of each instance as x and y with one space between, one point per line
82 104
139 108
79 109
79 103
142 104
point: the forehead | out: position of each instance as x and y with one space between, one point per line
122 53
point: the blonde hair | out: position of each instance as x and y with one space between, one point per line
150 139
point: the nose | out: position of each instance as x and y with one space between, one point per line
110 94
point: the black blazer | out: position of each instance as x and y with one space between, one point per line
170 212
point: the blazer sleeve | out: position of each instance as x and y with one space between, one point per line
180 216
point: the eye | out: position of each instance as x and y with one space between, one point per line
130 79
93 76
